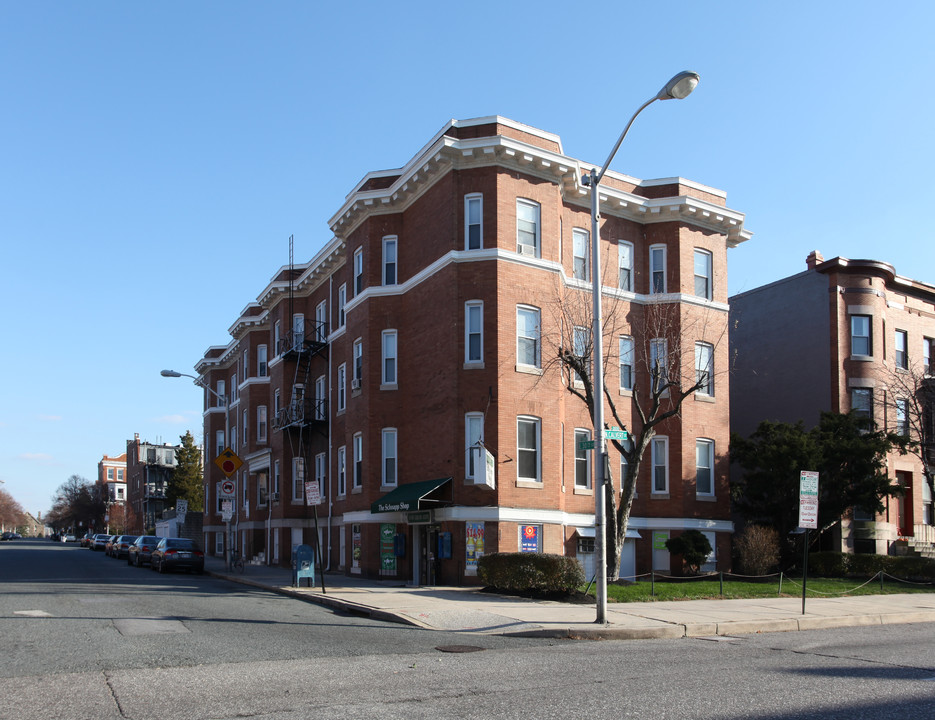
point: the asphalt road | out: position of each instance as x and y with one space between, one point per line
86 636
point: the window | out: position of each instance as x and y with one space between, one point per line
928 349
119 475
342 301
389 260
262 489
389 456
320 397
277 477
473 222
862 402
902 417
389 357
110 473
660 464
901 344
261 424
277 404
358 271
625 265
358 460
703 271
277 338
473 331
473 440
221 391
860 336
233 392
321 321
582 459
246 364
234 437
527 449
262 364
581 346
580 253
527 336
342 383
657 269
658 360
358 363
342 468
298 478
704 466
527 228
704 368
626 362
219 444
321 463
245 433
298 331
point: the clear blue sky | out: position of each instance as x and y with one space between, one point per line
156 157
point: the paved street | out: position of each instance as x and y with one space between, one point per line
86 636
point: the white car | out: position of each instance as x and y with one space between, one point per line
69 538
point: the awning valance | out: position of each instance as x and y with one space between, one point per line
589 532
410 497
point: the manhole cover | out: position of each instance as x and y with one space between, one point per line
459 648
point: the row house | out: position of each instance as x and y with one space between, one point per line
149 470
111 478
845 335
406 376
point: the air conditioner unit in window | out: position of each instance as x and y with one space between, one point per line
275 497
527 250
355 384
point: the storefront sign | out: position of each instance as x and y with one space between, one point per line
355 548
529 538
387 549
474 547
421 517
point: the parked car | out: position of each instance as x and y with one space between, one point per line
121 546
141 551
109 545
100 541
7 536
177 554
87 539
69 537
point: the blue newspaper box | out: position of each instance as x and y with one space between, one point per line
303 565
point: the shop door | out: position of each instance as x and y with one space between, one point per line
428 561
904 519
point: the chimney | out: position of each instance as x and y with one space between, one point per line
814 258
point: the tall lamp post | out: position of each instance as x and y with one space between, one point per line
224 403
677 88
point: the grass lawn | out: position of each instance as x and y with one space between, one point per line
708 587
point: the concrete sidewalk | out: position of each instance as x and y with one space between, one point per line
471 610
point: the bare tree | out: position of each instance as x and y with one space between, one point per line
11 512
671 357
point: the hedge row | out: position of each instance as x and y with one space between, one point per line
537 572
835 564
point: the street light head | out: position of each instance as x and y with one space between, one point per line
170 373
679 87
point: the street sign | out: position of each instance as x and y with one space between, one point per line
226 489
227 510
228 462
586 444
808 499
615 434
312 493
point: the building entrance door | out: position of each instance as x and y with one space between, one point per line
904 519
428 547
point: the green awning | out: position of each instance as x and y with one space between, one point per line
408 497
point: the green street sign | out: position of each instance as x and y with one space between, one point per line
586 445
615 434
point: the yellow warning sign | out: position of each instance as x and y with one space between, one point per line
228 462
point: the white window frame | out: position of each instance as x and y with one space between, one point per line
246 429
390 365
321 321
525 340
277 476
277 337
858 336
901 349
580 341
474 217
342 470
706 276
659 352
358 450
298 478
528 207
625 265
358 367
221 389
536 424
261 424
389 463
320 392
704 461
298 330
626 348
321 465
580 244
342 302
262 361
262 501
660 462
342 387
245 362
582 460
704 351
277 403
658 282
390 272
862 392
902 416
358 271
473 434
474 326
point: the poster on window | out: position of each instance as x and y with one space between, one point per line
529 538
355 549
474 547
387 548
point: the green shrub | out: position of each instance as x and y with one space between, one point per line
836 564
530 572
757 549
693 546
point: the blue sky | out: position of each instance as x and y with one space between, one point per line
156 157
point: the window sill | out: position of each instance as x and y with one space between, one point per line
357 490
659 496
473 365
387 488
389 386
355 393
583 491
861 358
706 498
625 392
704 398
534 484
528 369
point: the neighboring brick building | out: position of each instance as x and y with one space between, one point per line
426 327
844 334
149 470
112 484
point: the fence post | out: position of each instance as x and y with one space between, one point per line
780 582
652 583
881 580
721 578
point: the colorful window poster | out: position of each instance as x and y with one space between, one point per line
474 547
387 549
355 549
529 538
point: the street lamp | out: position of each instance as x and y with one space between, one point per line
224 403
680 86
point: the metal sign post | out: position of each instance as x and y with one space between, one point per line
808 518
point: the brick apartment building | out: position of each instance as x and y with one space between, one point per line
112 484
843 335
408 369
149 470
